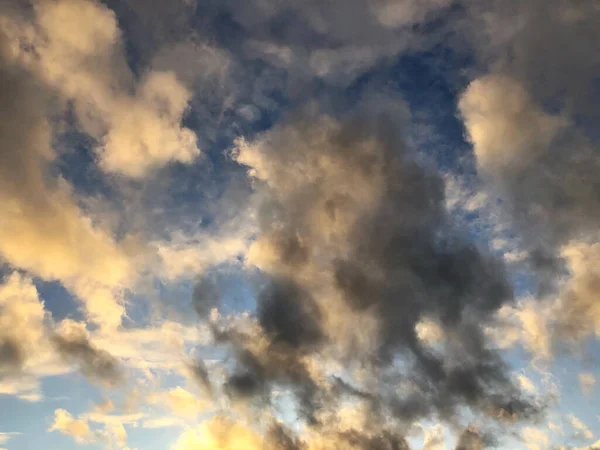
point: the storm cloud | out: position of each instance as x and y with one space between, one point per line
354 231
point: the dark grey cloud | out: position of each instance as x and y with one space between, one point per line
384 441
399 261
535 41
278 437
205 296
200 374
471 440
12 357
289 316
546 171
556 197
96 364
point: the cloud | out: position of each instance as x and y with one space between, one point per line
470 440
114 430
4 437
22 317
581 429
184 403
507 129
587 382
434 439
353 231
526 383
530 125
376 308
219 433
44 231
25 352
78 51
113 433
578 313
66 424
190 256
395 13
594 446
535 438
72 342
533 48
162 422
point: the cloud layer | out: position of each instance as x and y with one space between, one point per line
305 225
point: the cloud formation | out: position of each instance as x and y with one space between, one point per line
77 49
353 230
272 248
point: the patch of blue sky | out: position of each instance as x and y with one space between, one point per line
58 301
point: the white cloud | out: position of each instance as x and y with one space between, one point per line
434 439
219 433
507 129
136 123
66 424
580 428
535 438
526 384
4 437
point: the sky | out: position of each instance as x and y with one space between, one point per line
299 225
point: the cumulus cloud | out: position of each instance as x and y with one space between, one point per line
347 237
535 438
43 229
434 439
373 308
77 49
529 123
66 424
507 129
219 433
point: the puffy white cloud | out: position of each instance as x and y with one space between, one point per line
528 323
182 402
507 128
219 433
66 424
535 438
43 230
137 123
434 439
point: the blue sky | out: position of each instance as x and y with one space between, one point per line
286 225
